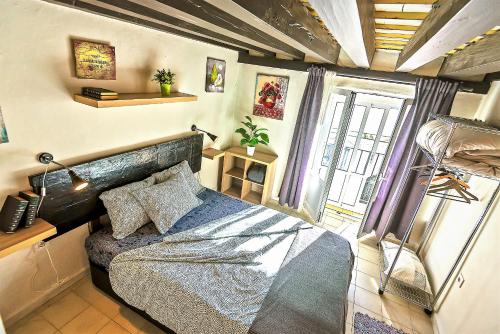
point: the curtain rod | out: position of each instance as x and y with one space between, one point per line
480 87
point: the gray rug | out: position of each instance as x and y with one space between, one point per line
363 324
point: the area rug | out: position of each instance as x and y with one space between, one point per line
363 324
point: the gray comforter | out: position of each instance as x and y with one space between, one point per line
216 278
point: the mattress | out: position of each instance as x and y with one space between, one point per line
102 247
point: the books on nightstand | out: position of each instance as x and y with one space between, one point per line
99 93
12 212
29 215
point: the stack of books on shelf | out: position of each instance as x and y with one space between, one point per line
19 211
99 93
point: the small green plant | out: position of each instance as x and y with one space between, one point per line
254 136
164 77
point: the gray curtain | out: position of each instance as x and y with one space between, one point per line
303 135
431 96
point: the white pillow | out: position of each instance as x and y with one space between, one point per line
408 268
186 172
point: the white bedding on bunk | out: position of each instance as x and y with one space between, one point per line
468 149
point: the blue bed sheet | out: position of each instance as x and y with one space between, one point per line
102 247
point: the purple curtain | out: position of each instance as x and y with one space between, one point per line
431 96
303 135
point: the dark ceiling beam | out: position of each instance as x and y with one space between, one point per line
478 58
449 24
141 22
210 13
358 73
156 15
293 19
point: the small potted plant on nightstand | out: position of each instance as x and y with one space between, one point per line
165 79
253 136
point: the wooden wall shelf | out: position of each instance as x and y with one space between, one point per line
135 99
25 237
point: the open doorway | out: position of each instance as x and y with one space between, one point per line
355 137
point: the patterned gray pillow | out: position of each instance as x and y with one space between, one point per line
186 171
124 210
166 202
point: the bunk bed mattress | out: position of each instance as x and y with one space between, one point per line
102 247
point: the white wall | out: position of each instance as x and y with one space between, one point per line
36 99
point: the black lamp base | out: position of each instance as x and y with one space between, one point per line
45 158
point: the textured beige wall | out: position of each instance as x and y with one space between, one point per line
36 89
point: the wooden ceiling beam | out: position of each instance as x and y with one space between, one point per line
145 11
449 24
395 27
393 35
390 41
352 24
90 8
293 19
212 14
404 2
401 15
478 58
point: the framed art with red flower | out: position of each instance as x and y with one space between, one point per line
270 96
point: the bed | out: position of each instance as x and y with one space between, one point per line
304 290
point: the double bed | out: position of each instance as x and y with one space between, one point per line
224 267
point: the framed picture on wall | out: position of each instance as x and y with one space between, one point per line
215 76
3 130
270 96
94 60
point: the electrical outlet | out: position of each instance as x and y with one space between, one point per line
460 280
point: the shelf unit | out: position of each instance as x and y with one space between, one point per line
412 293
135 99
25 237
235 182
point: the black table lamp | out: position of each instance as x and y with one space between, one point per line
211 136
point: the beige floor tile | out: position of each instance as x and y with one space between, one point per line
113 328
421 323
97 298
394 298
350 293
89 321
360 309
367 282
350 314
369 254
33 323
129 320
368 300
396 312
368 268
405 327
349 329
149 328
63 309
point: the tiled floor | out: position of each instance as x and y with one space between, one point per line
363 293
84 309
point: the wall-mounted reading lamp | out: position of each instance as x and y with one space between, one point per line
211 136
78 182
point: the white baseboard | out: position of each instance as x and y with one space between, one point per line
49 294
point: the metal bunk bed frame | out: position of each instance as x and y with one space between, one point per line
414 294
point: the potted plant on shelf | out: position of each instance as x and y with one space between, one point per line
252 137
166 80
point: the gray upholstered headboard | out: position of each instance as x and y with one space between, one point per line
67 209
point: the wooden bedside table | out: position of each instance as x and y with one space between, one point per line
25 237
